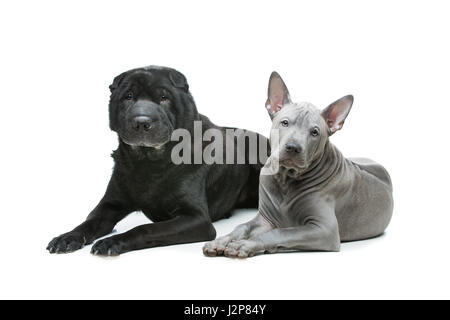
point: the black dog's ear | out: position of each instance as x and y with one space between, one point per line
117 80
178 80
277 94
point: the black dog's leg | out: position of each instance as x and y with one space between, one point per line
181 229
100 222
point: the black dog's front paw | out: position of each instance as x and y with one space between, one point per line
108 247
67 242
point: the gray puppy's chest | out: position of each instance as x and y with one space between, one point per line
287 205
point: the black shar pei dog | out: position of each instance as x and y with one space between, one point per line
182 199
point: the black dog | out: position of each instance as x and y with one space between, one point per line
146 105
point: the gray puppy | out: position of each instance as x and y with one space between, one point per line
317 198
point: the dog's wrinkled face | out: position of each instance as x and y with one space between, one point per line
302 135
146 105
302 129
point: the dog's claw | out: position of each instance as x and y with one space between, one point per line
209 252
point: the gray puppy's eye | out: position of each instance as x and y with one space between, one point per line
284 123
129 95
163 98
315 132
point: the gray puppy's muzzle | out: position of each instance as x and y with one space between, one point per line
292 155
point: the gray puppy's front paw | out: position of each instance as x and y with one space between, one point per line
242 249
216 247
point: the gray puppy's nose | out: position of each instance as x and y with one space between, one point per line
292 148
142 123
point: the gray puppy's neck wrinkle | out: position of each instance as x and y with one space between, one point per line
319 173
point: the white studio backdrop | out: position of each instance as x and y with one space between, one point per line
58 58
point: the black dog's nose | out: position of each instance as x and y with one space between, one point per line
292 147
142 123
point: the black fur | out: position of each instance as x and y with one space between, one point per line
182 200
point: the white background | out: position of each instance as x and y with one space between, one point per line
58 58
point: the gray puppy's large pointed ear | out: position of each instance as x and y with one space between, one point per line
277 94
336 113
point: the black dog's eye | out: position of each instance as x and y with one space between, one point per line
315 132
284 123
129 95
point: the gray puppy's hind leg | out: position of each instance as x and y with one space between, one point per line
244 231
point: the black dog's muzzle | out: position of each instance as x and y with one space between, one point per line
146 124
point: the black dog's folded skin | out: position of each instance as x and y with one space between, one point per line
146 106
